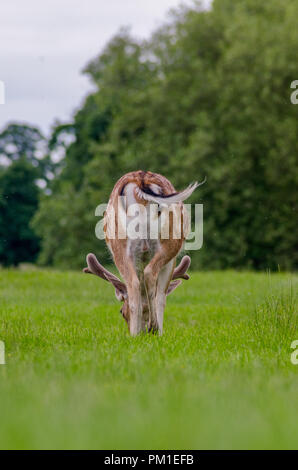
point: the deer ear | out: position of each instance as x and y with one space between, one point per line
121 296
173 286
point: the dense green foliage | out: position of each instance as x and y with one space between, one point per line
207 96
21 149
220 377
25 167
18 203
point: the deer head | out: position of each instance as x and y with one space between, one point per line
94 267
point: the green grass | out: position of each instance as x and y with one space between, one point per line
220 376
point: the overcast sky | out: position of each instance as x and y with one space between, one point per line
44 45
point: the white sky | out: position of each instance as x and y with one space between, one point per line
45 44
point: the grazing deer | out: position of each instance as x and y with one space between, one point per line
145 262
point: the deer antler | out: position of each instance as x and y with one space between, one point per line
94 267
180 271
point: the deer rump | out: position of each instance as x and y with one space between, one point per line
148 214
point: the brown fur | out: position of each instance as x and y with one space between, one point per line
140 309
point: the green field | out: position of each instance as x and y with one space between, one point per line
220 376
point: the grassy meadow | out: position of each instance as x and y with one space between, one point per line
220 377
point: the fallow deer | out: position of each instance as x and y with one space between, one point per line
146 263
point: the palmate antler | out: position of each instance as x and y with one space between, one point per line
94 267
179 273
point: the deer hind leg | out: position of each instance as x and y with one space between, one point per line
135 304
163 282
151 274
132 282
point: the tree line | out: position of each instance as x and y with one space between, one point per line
208 95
